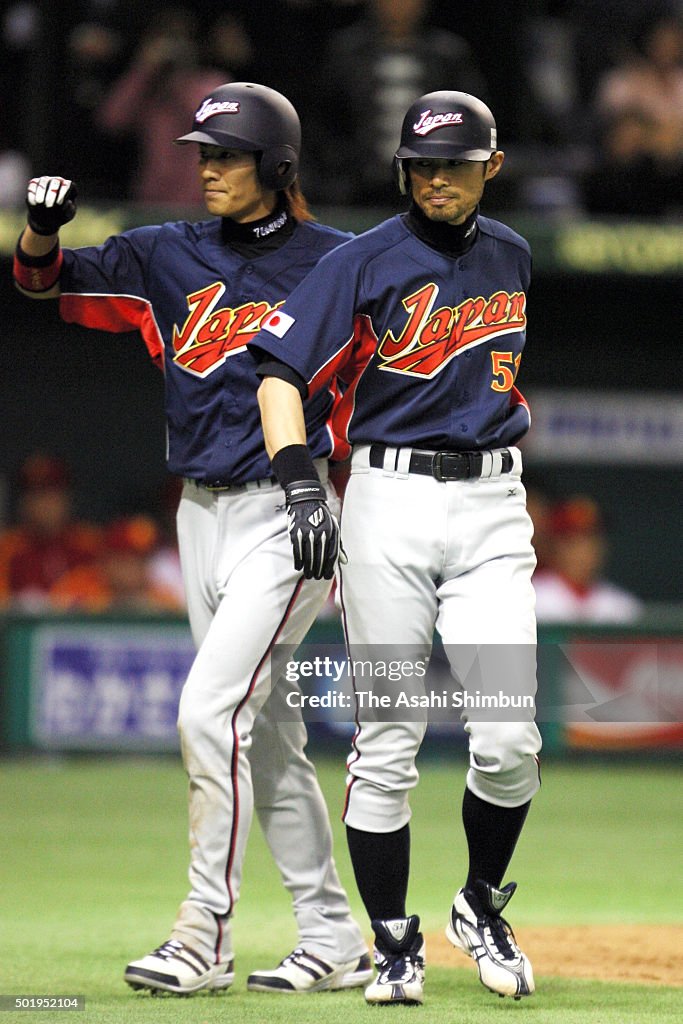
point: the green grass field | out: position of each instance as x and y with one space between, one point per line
94 863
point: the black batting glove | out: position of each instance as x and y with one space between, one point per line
313 529
51 202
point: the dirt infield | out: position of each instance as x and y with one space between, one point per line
641 954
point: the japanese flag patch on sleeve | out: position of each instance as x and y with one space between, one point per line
277 323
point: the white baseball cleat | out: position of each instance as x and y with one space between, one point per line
306 972
400 960
477 928
176 968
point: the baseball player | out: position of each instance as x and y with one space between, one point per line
423 319
197 293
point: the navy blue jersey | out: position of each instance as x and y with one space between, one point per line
428 345
197 304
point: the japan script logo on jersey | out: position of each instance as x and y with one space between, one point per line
209 335
428 122
431 338
277 323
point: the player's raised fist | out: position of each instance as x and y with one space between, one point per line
51 202
313 529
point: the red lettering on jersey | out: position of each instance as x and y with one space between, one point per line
517 307
438 326
210 335
215 328
496 309
464 315
431 339
419 306
200 305
247 319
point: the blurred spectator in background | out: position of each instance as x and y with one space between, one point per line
549 67
20 24
555 141
571 587
94 56
539 505
290 38
47 541
603 35
228 48
14 170
164 563
120 579
650 79
639 113
19 27
631 176
154 100
368 76
58 59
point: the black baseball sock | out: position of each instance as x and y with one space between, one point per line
381 864
492 833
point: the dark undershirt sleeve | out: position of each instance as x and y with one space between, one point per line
269 367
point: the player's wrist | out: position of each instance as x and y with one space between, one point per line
35 246
294 463
29 257
34 271
305 490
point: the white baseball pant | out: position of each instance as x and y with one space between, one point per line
455 556
244 598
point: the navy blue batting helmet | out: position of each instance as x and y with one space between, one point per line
445 125
254 118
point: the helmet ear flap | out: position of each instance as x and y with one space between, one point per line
401 176
278 167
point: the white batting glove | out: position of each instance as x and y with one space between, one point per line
51 202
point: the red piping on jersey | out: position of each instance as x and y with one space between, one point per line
364 347
339 447
236 744
517 398
116 314
329 369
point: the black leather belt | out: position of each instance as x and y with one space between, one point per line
444 465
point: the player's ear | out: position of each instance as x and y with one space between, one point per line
493 165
